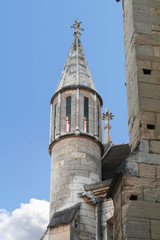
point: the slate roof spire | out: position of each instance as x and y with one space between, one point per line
76 71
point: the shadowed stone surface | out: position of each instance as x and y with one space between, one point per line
115 156
63 217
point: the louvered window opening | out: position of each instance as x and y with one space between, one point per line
55 119
68 114
98 121
86 116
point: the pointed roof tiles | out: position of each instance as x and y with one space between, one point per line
76 71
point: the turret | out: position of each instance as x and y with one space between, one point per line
75 139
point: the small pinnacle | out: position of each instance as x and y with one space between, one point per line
77 28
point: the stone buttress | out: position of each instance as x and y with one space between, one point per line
135 188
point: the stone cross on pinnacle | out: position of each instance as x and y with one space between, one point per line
107 117
77 28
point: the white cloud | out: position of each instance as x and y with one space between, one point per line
27 222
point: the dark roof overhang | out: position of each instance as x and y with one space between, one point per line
121 171
113 158
63 217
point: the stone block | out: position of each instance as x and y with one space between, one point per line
148 117
136 229
130 238
155 229
156 66
158 171
91 214
144 50
54 230
61 232
90 229
133 103
149 158
81 227
144 145
144 64
155 11
143 28
146 40
142 209
154 147
131 191
146 104
87 220
155 29
73 187
157 51
148 90
78 155
81 179
141 9
127 218
158 118
60 229
146 18
153 78
147 170
80 172
152 195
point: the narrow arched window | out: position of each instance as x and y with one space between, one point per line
55 119
98 121
68 114
86 116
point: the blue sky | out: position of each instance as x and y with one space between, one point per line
34 44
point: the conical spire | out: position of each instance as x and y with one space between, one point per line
76 71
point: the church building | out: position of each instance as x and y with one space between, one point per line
102 191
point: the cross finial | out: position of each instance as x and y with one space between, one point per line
107 117
77 28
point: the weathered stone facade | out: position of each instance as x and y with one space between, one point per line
106 191
136 195
135 188
142 54
75 162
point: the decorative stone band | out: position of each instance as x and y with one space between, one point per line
75 134
75 87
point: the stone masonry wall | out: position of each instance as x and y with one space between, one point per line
137 210
75 162
60 232
118 233
107 213
142 62
137 197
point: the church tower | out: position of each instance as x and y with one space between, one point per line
135 188
75 147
